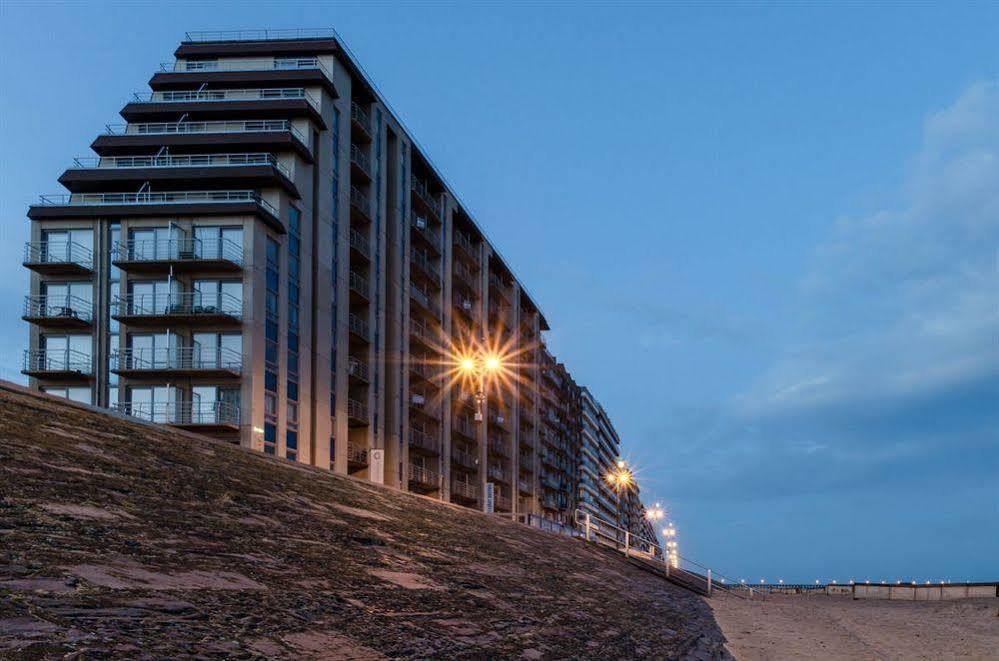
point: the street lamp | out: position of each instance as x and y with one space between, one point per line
477 368
655 513
620 478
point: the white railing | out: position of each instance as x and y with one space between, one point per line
200 96
181 161
272 64
182 413
423 475
58 252
185 250
177 358
166 197
260 35
220 126
58 307
56 360
179 303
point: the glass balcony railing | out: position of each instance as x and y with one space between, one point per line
60 308
178 250
171 197
260 35
186 304
182 161
183 413
206 96
58 252
40 361
171 128
262 64
187 359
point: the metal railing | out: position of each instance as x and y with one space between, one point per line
360 242
503 502
185 250
260 35
498 447
423 192
463 241
422 260
463 458
199 96
357 454
423 475
178 303
273 64
183 413
423 331
467 489
358 368
360 115
359 158
220 126
357 326
497 473
420 439
423 298
359 284
177 358
357 410
464 426
168 197
181 161
58 307
57 360
422 227
466 277
360 201
58 252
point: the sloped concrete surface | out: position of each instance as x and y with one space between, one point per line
121 540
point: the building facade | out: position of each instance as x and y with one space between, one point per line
262 252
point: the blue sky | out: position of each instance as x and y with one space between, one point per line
766 236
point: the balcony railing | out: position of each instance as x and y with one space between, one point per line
428 371
360 201
422 227
465 426
57 360
462 458
462 241
423 331
183 413
187 359
360 116
420 439
359 284
465 276
423 475
358 326
171 197
358 369
360 243
171 128
465 489
360 159
178 304
422 260
58 308
181 161
199 96
423 298
502 502
58 252
260 35
423 192
357 410
498 447
497 473
273 64
178 250
357 455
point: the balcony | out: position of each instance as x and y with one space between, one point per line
58 258
424 333
178 255
360 122
168 203
360 288
424 301
217 417
360 164
360 244
357 370
464 307
420 440
424 232
502 503
427 267
218 363
358 327
466 278
464 459
360 203
499 287
466 249
58 311
271 71
498 448
525 487
192 308
464 491
357 457
228 170
465 427
498 474
527 463
427 372
260 35
357 413
429 201
57 364
423 479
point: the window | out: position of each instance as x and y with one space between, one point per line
76 394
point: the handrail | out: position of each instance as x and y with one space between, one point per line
177 358
422 191
218 126
259 35
57 360
182 413
357 454
164 197
58 251
178 303
69 306
189 249
181 161
212 95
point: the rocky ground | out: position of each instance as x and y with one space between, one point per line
123 540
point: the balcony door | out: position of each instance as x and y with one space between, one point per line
217 350
155 243
154 350
66 352
218 242
153 297
224 295
214 404
67 245
71 295
156 403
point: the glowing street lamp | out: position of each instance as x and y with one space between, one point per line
655 513
478 368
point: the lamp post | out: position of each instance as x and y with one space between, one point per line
477 368
620 478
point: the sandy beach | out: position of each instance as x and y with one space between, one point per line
821 627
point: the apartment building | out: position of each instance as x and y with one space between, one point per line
262 252
600 449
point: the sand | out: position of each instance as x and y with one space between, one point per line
822 627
